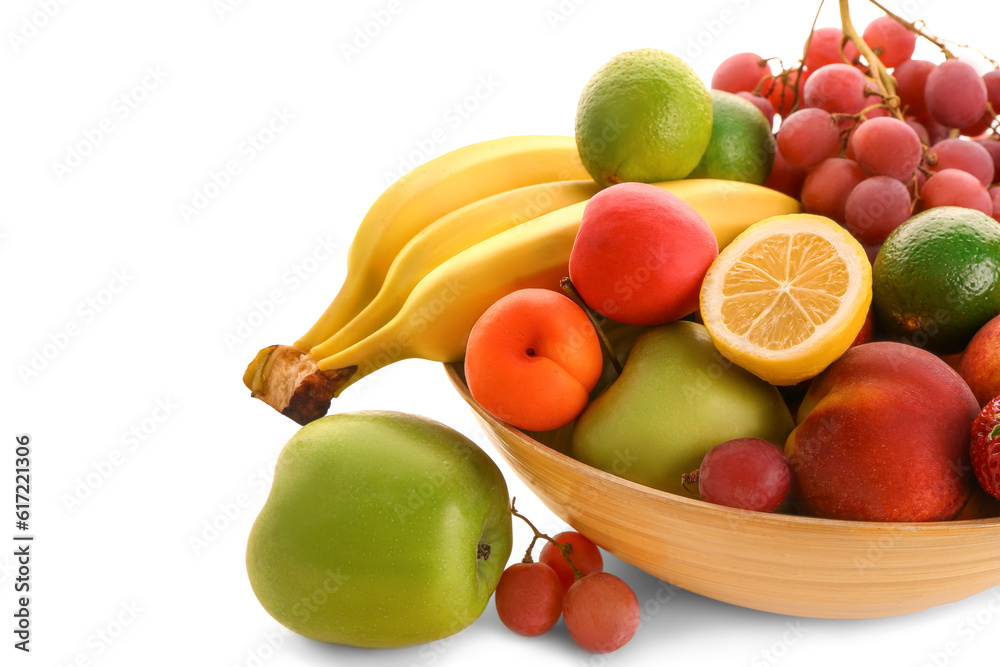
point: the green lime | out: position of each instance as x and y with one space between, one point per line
936 279
742 146
644 116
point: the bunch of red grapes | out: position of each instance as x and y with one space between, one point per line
600 610
868 161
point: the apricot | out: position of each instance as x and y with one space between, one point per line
883 435
532 359
641 254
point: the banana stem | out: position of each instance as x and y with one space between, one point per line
879 74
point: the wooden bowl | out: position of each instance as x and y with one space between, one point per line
779 563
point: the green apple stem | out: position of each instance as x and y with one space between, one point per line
564 549
567 286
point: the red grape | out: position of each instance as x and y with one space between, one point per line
992 147
879 111
955 94
808 137
784 177
853 56
824 48
584 554
836 88
978 128
891 41
953 187
921 178
911 77
742 71
779 90
827 185
962 154
529 598
994 193
935 130
921 131
887 147
761 103
876 207
748 473
992 81
601 612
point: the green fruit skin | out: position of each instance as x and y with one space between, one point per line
634 125
936 279
742 147
677 397
369 536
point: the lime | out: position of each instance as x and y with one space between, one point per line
936 278
742 146
644 116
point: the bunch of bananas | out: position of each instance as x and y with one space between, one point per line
443 243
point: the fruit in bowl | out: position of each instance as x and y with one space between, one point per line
883 435
677 397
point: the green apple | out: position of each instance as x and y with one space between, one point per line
382 529
677 397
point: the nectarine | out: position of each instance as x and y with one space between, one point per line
883 435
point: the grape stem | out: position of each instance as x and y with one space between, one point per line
805 52
879 74
913 27
564 549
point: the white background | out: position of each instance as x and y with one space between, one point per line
103 250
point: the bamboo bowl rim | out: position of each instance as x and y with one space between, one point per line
665 497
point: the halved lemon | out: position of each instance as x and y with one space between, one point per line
787 297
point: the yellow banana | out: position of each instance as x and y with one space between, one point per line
445 238
429 192
435 321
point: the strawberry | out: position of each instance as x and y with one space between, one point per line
986 447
